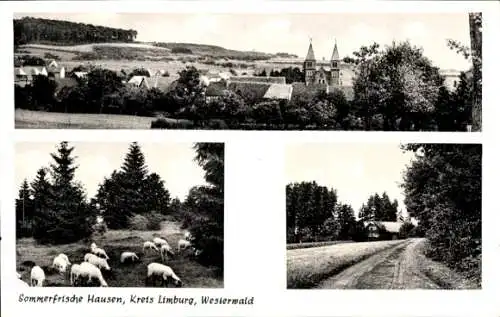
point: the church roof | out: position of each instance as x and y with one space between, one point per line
335 54
310 53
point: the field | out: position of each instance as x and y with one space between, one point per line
27 119
293 246
308 266
192 274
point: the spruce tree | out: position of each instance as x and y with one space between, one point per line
24 211
68 217
42 201
206 203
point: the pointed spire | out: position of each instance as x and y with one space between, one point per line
310 52
335 54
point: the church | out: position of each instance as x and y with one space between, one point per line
322 72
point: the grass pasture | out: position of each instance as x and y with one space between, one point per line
306 267
192 274
293 246
27 119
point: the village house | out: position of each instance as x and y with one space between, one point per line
382 230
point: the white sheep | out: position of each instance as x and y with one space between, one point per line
37 276
188 236
183 244
128 255
18 275
74 273
165 272
164 250
89 270
150 245
159 241
93 246
60 264
65 257
97 261
100 252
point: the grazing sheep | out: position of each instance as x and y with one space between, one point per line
100 252
97 261
65 257
37 276
183 244
93 246
60 264
188 236
164 250
74 273
149 245
159 241
163 271
91 271
128 256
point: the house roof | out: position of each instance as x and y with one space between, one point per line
253 91
138 81
279 91
160 82
390 226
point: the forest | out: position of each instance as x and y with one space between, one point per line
46 31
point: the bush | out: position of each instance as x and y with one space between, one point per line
181 50
165 124
138 222
51 56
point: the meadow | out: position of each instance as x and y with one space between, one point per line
28 119
308 266
192 274
293 246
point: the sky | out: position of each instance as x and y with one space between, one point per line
173 162
355 170
290 33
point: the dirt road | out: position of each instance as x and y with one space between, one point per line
394 268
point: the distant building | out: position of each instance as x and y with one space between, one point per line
382 230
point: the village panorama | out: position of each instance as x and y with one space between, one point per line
86 76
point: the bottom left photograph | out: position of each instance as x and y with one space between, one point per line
103 214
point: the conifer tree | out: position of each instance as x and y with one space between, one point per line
24 211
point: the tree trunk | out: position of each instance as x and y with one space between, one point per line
475 27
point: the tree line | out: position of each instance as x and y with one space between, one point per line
54 209
314 213
443 192
37 30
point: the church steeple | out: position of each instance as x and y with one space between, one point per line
310 52
335 54
309 65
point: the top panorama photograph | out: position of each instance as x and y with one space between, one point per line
368 72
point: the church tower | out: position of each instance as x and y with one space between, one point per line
309 65
335 65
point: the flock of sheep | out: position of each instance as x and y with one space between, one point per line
96 260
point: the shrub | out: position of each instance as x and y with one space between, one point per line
181 50
51 56
165 124
138 222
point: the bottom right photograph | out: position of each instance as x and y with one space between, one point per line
383 215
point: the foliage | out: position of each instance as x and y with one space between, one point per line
443 192
132 191
406 230
205 205
62 214
36 30
379 208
